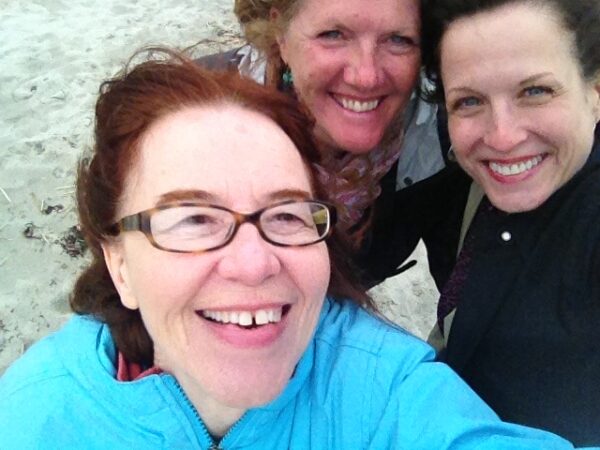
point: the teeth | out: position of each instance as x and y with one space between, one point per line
261 317
515 169
357 106
245 318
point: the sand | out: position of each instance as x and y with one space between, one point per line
54 54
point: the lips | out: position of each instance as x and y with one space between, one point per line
358 106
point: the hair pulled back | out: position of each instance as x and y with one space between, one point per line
260 30
580 17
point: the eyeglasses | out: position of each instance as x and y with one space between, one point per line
190 227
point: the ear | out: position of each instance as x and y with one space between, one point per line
275 19
274 14
117 267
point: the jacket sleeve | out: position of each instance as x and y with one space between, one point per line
427 406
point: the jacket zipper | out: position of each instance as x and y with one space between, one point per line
214 445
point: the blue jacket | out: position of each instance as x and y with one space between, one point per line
361 384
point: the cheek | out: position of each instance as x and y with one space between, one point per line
311 272
570 132
404 73
463 134
312 69
168 280
306 84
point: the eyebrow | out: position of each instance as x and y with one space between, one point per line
289 194
462 90
186 195
526 81
205 196
533 78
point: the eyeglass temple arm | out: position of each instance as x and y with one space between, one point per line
129 223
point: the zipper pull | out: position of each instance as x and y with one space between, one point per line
215 446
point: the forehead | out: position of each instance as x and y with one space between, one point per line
357 13
493 39
237 155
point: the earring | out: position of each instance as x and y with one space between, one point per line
451 155
287 80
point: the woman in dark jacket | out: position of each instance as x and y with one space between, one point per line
356 70
520 302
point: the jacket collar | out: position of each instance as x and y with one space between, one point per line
145 397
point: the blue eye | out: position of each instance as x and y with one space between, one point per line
465 102
401 40
535 91
330 34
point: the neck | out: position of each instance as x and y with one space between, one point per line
217 417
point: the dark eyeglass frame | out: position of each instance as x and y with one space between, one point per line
141 222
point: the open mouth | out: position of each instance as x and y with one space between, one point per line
513 169
358 106
247 319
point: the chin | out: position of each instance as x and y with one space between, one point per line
517 203
252 396
359 144
355 140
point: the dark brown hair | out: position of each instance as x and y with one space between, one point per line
580 17
127 107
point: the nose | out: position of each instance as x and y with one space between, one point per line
363 70
504 129
249 259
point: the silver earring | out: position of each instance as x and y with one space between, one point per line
451 155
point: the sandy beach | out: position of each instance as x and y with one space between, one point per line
54 55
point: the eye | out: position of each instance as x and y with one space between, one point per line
198 225
400 40
536 91
286 220
537 95
465 103
330 34
196 221
399 44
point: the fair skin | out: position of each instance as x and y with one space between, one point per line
355 64
223 368
521 115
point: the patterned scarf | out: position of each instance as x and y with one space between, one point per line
353 183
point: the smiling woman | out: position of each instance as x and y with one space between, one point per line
520 310
354 65
216 312
353 72
530 130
